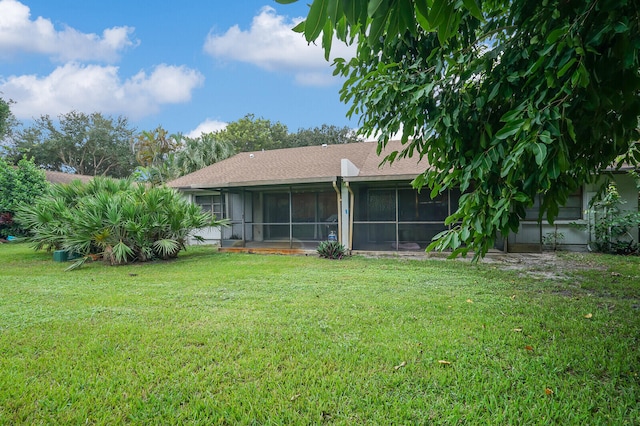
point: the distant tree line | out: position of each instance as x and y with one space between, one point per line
96 144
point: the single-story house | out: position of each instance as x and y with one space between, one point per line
297 197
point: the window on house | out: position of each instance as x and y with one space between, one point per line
572 209
211 204
381 205
417 206
276 207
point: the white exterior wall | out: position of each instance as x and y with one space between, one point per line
210 234
628 191
574 238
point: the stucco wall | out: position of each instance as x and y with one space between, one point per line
570 237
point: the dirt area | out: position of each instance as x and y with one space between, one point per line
546 265
542 265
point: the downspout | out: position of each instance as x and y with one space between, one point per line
351 201
335 187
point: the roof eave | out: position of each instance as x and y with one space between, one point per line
380 178
273 182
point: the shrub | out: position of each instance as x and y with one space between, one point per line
116 220
332 250
611 224
18 185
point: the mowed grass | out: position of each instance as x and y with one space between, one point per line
214 338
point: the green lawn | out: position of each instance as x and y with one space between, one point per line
214 338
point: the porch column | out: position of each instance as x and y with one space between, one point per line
345 216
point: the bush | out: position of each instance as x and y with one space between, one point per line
18 185
611 224
116 220
332 250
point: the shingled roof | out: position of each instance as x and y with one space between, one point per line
61 177
301 165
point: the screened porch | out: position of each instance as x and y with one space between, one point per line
281 217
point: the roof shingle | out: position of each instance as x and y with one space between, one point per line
300 165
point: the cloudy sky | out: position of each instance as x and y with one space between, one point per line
189 66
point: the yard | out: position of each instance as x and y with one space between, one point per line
214 338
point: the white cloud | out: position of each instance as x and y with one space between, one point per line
272 45
90 88
20 34
207 126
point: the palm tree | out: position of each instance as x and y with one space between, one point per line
202 151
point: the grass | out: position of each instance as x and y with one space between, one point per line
214 338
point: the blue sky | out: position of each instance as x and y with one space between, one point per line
189 66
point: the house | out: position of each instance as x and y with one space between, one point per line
297 197
61 177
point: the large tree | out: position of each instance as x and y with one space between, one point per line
202 151
8 123
88 144
5 117
254 134
508 100
155 152
325 134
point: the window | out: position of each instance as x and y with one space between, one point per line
572 209
211 204
381 204
417 206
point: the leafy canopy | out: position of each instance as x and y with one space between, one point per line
87 144
251 133
7 119
505 99
155 153
199 152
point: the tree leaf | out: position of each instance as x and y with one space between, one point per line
540 152
449 25
509 129
555 35
376 29
473 8
327 39
566 67
299 28
422 14
355 11
439 12
373 6
316 19
332 12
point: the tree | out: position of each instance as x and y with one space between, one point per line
202 151
19 185
7 120
254 134
324 134
8 123
79 143
506 99
155 152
